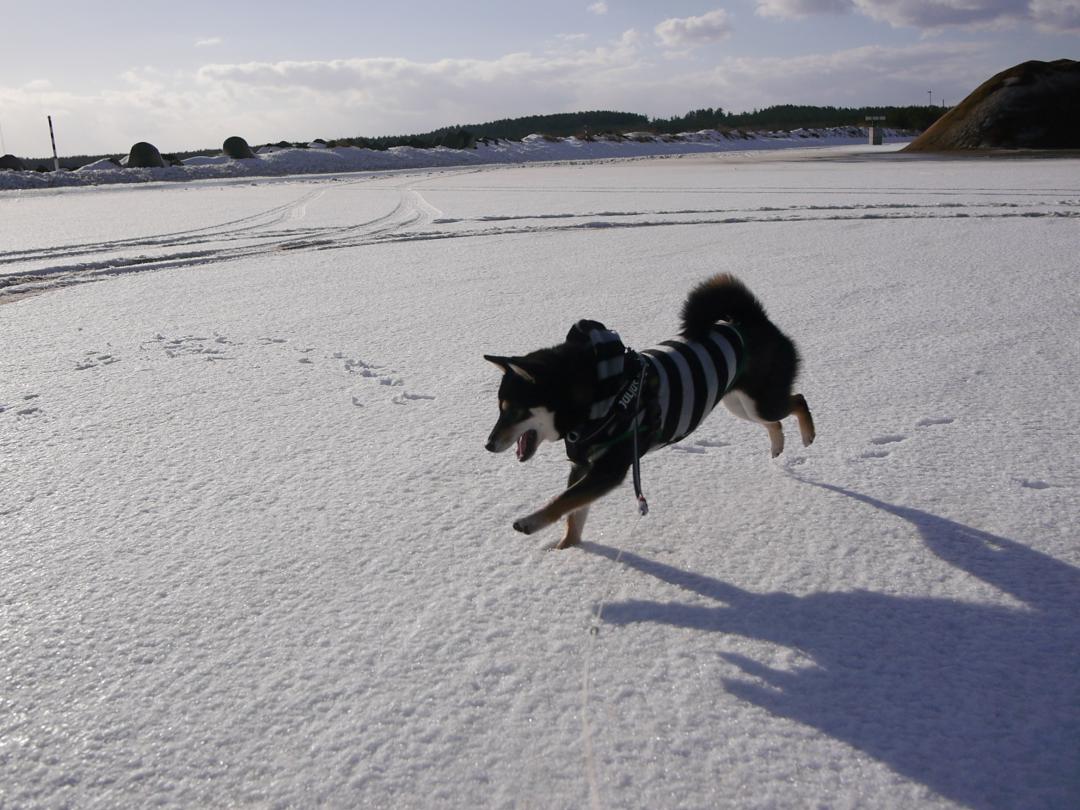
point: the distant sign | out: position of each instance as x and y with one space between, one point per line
875 118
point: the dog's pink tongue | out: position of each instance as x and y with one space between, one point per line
521 445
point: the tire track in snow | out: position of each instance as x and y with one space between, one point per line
734 219
218 232
411 209
413 218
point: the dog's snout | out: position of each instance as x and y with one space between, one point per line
490 446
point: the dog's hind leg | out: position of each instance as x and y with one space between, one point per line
745 407
806 420
776 437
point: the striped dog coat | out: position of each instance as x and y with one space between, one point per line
682 381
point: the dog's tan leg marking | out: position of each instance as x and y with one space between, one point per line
575 521
591 483
575 524
569 501
806 421
776 437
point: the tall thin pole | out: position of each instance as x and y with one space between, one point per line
52 137
930 95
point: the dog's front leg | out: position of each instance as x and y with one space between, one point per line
575 521
597 481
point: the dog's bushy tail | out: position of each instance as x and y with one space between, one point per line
721 298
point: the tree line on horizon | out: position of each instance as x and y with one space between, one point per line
591 123
795 116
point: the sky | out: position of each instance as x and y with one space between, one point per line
187 76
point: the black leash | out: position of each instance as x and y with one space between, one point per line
642 504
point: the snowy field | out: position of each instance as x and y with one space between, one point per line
254 553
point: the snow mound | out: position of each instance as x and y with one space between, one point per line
320 159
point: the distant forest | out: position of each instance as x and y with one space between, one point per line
599 122
606 122
796 116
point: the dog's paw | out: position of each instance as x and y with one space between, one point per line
531 523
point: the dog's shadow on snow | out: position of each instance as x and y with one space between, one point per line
980 703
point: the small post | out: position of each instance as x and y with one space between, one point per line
874 128
52 137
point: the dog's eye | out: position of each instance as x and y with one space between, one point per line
513 413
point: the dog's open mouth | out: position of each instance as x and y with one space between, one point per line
526 445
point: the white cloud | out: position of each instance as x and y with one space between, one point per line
209 42
932 14
1048 15
599 9
688 32
1056 15
269 101
797 9
856 76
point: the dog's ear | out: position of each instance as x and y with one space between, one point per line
501 362
511 365
516 368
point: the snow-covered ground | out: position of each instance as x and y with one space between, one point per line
317 159
254 553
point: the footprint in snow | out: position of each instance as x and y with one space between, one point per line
879 450
360 367
211 348
930 421
405 397
370 370
871 454
95 359
891 438
25 411
1034 483
712 443
700 446
688 448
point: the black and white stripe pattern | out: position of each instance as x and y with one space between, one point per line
609 370
692 377
609 352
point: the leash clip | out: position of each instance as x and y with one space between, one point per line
642 505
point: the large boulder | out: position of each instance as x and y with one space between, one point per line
11 162
237 148
144 155
1030 106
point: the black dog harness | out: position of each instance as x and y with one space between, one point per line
652 398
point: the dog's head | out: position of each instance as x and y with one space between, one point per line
526 411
